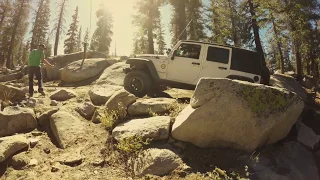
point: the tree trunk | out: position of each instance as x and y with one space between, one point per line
3 17
56 43
150 29
181 20
33 45
9 62
233 24
255 29
279 44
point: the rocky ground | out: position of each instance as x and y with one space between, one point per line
96 130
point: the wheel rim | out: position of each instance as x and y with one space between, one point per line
136 84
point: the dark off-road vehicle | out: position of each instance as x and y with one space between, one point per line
188 62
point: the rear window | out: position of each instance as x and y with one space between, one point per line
246 61
219 55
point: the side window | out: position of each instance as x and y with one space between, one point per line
219 55
189 51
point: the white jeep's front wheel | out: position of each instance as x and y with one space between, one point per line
137 83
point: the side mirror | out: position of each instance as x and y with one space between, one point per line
173 54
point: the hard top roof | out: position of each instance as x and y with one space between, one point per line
202 42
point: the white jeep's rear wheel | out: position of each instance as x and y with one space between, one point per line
137 83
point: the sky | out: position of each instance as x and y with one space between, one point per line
121 10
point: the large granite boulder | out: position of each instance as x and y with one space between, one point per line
91 68
16 120
113 75
61 61
235 114
288 82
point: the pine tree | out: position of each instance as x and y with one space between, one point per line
160 40
178 20
101 39
17 27
194 16
79 40
5 13
147 18
71 43
59 25
86 37
41 23
48 51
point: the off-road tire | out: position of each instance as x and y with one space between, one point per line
139 78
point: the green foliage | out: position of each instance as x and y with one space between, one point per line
101 39
194 14
71 44
40 24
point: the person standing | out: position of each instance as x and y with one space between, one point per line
36 57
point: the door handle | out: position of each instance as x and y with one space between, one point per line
223 68
194 63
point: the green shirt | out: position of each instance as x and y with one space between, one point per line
35 57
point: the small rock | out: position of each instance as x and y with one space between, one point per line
86 110
36 133
95 172
33 162
97 115
70 158
98 162
63 95
55 169
31 102
33 142
19 161
40 101
53 103
46 150
158 162
148 106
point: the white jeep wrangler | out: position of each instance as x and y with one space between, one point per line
188 62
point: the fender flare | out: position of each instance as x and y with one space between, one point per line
141 63
241 78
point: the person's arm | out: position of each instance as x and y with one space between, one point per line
46 62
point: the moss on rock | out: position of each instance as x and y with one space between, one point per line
263 100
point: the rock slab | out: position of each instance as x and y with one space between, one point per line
158 106
66 128
63 95
99 95
155 128
235 114
16 120
86 110
10 145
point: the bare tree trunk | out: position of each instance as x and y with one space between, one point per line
9 62
279 44
255 29
33 45
233 24
181 20
56 43
150 29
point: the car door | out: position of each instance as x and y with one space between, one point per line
216 62
186 65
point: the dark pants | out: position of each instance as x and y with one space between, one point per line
34 70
